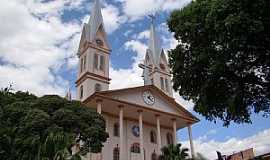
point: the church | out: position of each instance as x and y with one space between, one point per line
140 120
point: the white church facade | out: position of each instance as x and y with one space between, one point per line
139 120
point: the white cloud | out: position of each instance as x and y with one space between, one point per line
186 104
259 142
132 75
32 48
136 9
144 35
112 18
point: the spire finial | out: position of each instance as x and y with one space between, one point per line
152 17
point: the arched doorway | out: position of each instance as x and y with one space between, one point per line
135 152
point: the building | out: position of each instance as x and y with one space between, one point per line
242 155
265 156
139 120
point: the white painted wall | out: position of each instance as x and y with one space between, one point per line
129 139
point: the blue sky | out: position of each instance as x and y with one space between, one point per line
38 41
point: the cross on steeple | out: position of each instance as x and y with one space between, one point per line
155 67
152 17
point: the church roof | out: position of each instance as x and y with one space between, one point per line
94 24
150 87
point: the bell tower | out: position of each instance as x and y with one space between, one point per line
94 52
156 70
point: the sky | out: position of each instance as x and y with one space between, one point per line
39 41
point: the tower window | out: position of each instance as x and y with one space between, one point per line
96 61
101 64
167 85
81 65
162 83
97 87
116 153
151 68
116 130
84 62
81 92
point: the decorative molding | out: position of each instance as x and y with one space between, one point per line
136 120
144 108
92 76
94 46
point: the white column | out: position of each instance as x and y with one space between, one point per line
99 106
158 135
121 133
174 132
191 142
141 134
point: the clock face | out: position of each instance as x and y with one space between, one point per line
148 98
136 131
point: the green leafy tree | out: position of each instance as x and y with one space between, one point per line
46 128
222 61
174 152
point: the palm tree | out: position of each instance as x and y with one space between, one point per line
56 147
174 152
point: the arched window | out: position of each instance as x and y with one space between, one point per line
154 156
135 148
169 138
116 153
151 68
116 130
162 83
153 137
97 87
81 92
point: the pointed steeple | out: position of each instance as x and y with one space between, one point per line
154 42
155 66
94 27
68 95
96 20
94 54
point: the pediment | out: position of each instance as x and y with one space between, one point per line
162 102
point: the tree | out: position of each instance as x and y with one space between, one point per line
28 124
174 152
222 61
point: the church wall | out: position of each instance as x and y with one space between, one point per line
89 88
129 138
